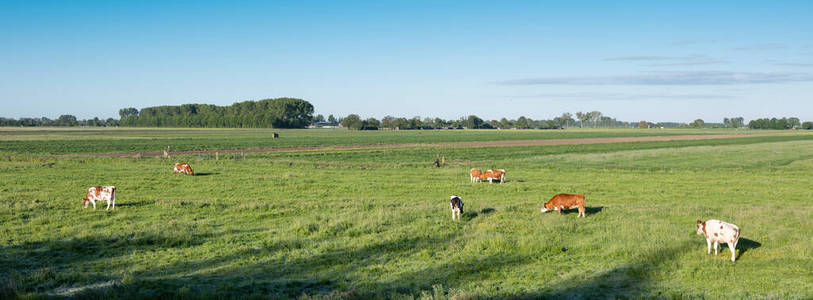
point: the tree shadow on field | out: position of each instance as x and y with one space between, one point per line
631 280
745 244
283 269
44 265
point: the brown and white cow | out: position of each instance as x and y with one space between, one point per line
491 175
474 175
457 206
565 201
717 231
107 193
183 168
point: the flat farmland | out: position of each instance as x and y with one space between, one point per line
375 222
130 140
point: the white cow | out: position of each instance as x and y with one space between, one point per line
717 231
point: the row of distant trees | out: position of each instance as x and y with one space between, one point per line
268 113
783 123
63 120
588 119
298 113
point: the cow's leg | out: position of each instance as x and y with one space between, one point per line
94 203
716 243
733 247
708 246
559 210
108 204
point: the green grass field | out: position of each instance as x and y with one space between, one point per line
375 223
98 140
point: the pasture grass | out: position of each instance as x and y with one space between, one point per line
375 223
127 140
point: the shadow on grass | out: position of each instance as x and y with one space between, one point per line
206 174
89 267
135 204
631 280
473 214
745 244
37 267
587 210
294 268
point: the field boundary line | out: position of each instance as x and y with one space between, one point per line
514 143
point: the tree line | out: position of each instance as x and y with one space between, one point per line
588 119
298 113
63 120
267 113
783 123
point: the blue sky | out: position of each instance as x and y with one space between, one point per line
636 60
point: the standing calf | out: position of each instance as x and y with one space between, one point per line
719 232
107 193
474 175
565 201
457 206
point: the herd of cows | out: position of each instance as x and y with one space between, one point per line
715 231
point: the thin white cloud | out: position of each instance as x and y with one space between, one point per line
589 96
669 78
691 63
789 63
761 47
667 61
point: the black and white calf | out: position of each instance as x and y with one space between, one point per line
457 206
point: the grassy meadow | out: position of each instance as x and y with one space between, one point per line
108 140
375 223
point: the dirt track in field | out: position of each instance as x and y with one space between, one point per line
448 144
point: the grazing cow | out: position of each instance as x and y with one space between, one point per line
491 175
565 201
474 175
107 193
500 174
183 168
719 232
457 206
